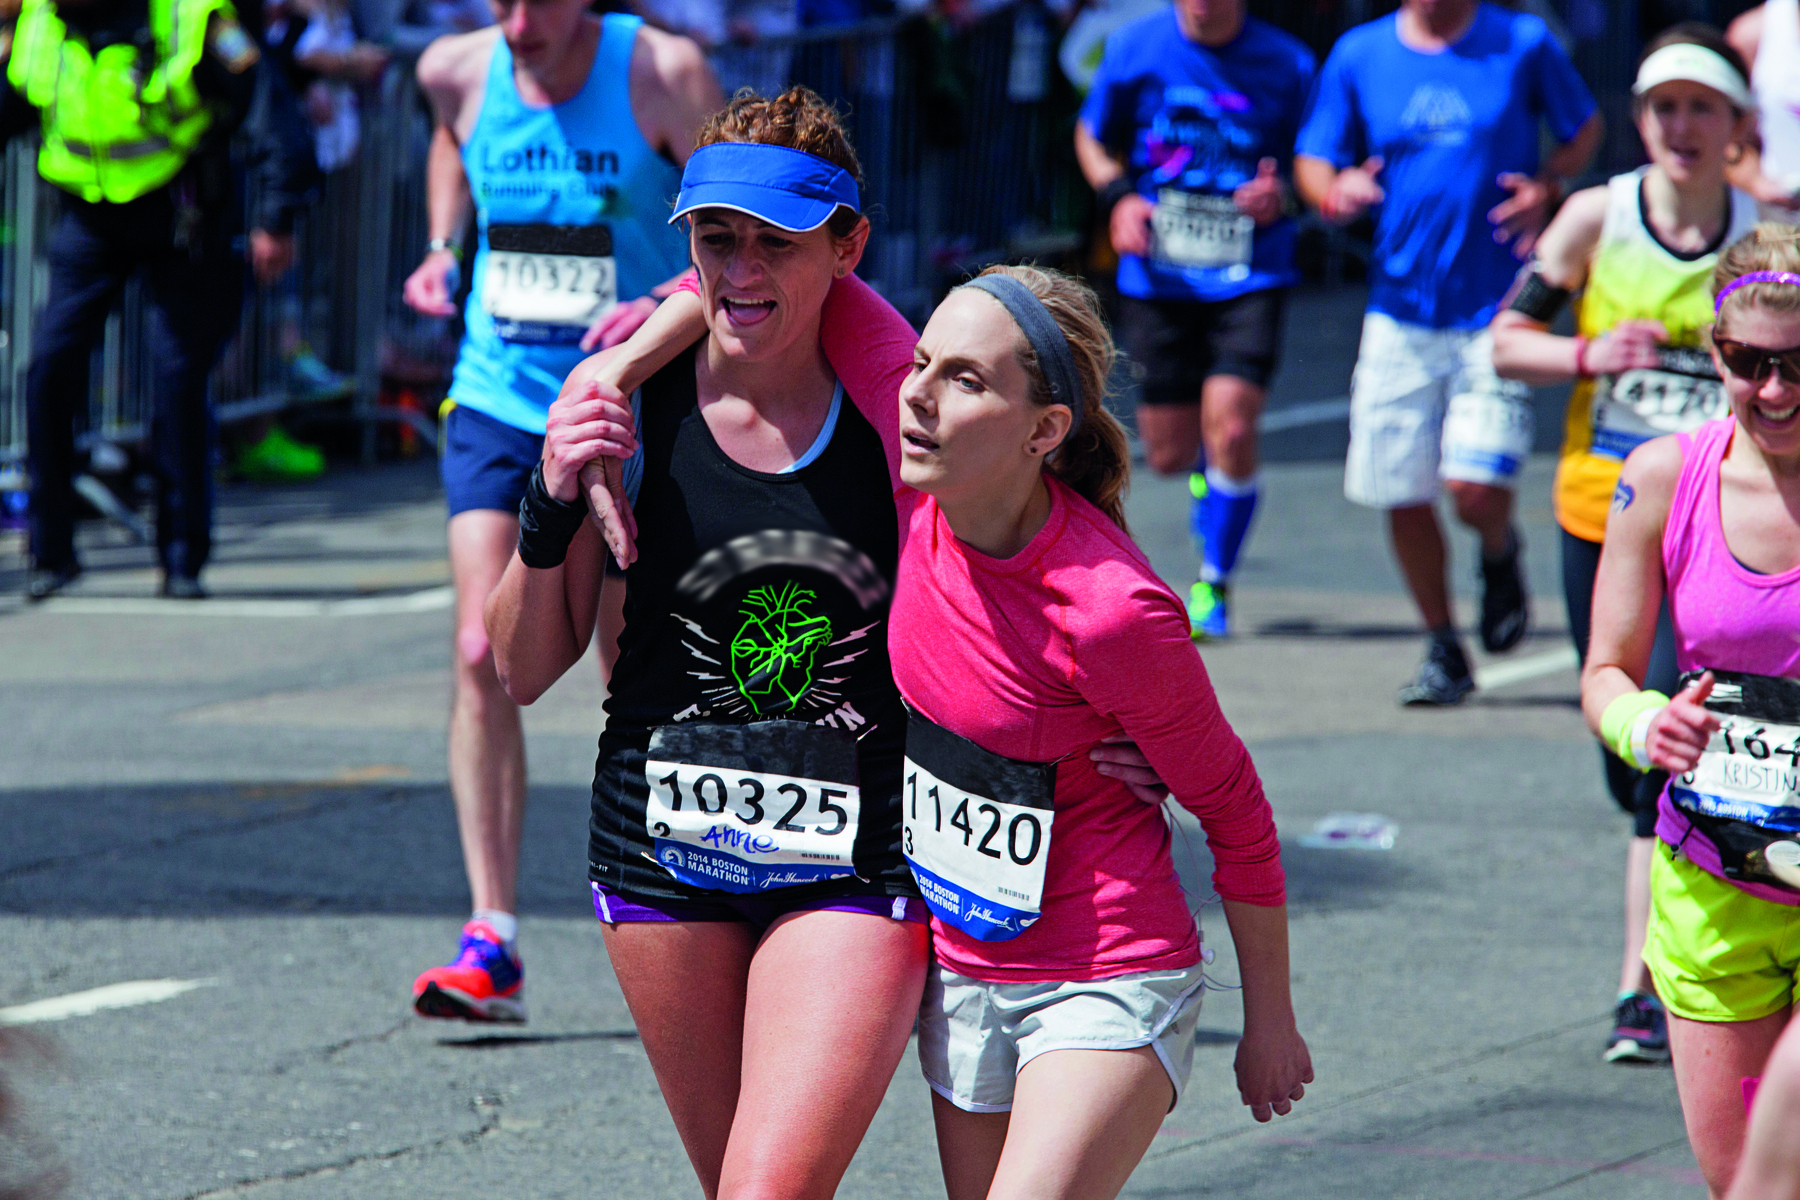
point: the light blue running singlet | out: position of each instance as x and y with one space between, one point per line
572 206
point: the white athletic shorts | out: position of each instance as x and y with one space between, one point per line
975 1037
1425 405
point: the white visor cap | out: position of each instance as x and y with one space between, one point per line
1696 64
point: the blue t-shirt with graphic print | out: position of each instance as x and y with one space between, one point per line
1191 122
1446 126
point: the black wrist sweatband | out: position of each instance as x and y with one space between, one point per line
1108 197
546 525
1537 299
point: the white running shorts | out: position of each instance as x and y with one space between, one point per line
975 1037
1425 405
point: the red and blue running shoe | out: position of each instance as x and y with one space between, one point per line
485 983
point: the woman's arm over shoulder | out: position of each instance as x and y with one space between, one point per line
870 346
1134 658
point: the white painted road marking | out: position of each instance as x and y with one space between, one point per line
113 995
434 599
1499 675
1313 412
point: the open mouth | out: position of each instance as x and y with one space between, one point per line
746 312
1778 418
918 443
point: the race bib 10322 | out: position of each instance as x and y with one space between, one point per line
548 282
752 808
976 831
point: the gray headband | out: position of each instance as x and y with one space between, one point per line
1047 339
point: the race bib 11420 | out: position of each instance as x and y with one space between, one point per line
976 831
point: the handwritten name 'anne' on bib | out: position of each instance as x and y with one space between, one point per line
976 831
548 283
1193 230
752 808
1682 392
1744 793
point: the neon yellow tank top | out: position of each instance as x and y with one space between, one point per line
1635 277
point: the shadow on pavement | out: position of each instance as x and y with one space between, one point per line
271 849
500 1041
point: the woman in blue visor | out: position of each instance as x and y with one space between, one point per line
744 850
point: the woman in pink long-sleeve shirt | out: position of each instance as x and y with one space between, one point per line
1028 628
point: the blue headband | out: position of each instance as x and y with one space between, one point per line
1047 340
790 189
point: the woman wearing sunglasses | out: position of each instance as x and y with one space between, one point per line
1641 251
1711 520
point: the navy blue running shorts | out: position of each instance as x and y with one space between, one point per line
486 463
1175 346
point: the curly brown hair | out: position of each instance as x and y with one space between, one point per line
798 119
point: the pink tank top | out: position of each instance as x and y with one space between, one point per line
1726 616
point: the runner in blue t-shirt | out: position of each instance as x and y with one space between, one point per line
1433 115
1185 134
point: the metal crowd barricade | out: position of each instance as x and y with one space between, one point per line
963 143
338 308
963 140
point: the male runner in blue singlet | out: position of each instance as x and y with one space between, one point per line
566 131
1189 124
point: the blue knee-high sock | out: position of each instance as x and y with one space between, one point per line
1222 522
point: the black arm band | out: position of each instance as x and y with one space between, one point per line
1109 196
1537 299
546 525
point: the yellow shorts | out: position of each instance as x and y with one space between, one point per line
1716 952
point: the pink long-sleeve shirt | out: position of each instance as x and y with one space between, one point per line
1041 657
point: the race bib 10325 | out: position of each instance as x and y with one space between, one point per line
752 808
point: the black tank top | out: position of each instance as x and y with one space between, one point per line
754 597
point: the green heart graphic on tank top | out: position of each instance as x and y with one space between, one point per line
773 652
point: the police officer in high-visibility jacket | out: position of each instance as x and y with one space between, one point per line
137 102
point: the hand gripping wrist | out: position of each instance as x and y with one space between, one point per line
546 525
1625 725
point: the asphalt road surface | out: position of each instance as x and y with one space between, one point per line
247 797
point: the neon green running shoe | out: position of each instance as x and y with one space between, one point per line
278 458
1207 615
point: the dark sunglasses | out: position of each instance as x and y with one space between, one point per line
1754 362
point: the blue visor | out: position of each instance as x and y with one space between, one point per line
790 189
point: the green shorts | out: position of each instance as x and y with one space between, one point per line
1716 952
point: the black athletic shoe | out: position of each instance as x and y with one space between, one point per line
182 587
45 582
1640 1031
1443 678
1505 605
